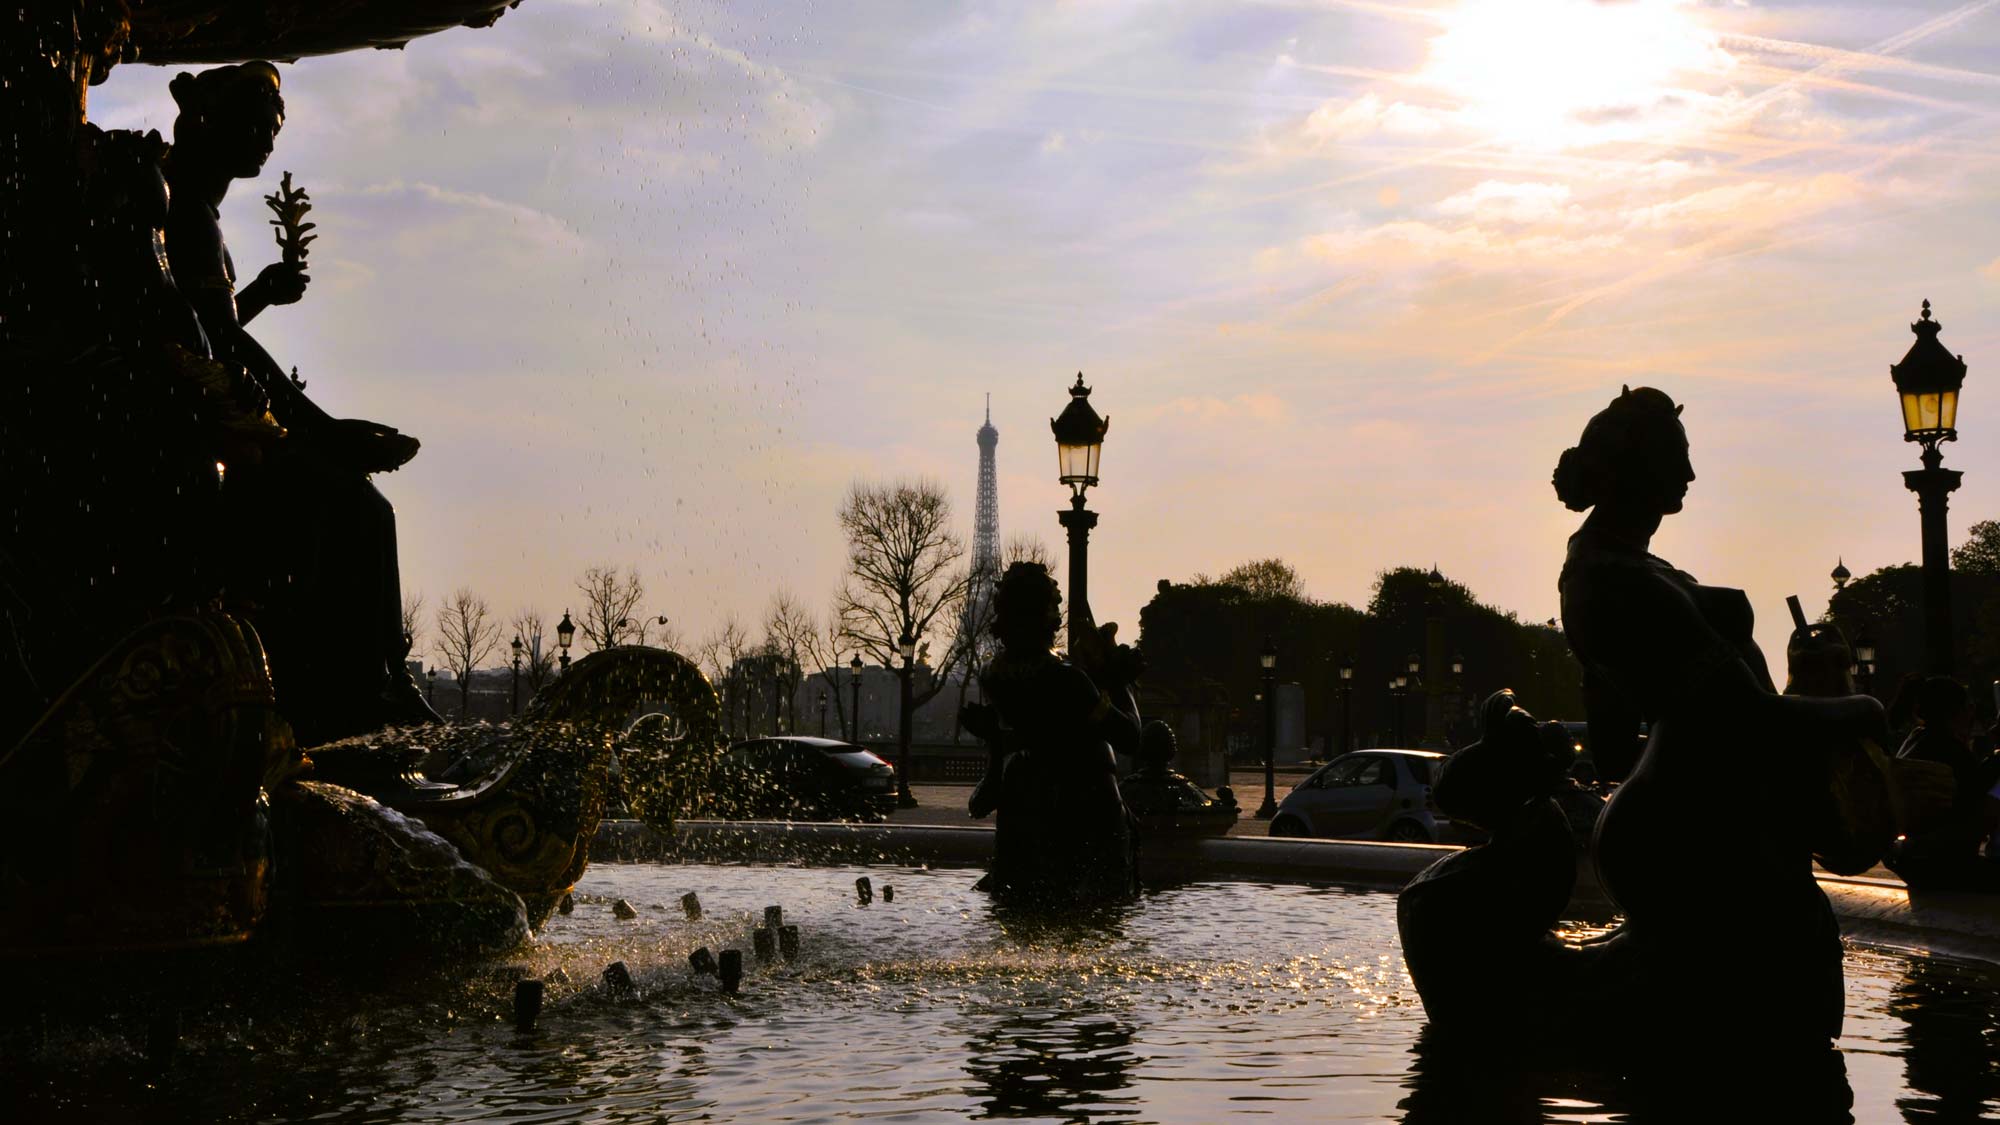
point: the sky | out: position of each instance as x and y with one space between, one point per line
655 283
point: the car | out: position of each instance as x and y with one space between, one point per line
1369 795
794 777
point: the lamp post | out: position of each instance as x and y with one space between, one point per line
1864 664
1457 707
1267 663
565 633
1927 382
431 686
1079 442
1840 575
1432 669
908 646
514 706
1346 697
822 712
854 681
1396 709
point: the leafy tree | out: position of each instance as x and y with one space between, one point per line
1207 635
1980 553
1265 578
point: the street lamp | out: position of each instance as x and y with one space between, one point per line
822 712
431 686
854 680
565 633
1927 382
1079 442
908 646
514 707
1346 695
1267 662
1841 574
1864 663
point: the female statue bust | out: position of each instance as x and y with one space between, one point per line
1707 845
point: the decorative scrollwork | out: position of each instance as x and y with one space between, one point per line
664 762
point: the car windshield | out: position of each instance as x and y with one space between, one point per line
854 757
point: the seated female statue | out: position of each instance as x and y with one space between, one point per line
314 541
1707 845
1062 833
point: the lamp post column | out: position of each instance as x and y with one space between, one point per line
822 713
1268 661
904 798
1933 486
854 682
1078 521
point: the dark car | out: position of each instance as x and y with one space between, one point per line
800 778
1368 795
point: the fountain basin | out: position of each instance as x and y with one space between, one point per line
1881 911
1197 1003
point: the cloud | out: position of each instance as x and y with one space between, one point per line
1259 407
1410 242
1500 201
1751 203
1366 115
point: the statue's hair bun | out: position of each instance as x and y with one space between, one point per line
182 88
1576 479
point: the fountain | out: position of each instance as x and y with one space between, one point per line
207 731
159 801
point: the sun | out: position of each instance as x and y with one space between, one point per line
1556 74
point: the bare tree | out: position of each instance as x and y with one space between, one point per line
976 622
788 633
413 620
466 635
1026 548
610 602
824 649
904 577
717 654
538 654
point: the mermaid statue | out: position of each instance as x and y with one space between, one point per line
1062 834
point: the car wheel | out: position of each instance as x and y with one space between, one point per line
1408 832
1288 825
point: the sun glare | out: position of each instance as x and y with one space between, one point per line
1556 74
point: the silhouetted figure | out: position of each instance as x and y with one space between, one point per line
314 544
1062 835
1476 925
1945 855
1656 644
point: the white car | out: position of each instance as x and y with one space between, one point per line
1368 795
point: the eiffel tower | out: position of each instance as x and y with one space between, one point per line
985 527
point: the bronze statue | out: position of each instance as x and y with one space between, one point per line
1476 926
312 558
1675 848
1062 835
